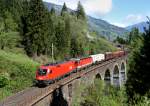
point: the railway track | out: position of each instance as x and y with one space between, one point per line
32 95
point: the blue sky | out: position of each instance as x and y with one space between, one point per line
118 12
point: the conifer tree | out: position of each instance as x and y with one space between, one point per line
60 38
64 9
80 12
36 31
8 34
67 35
133 35
63 37
74 52
138 75
52 12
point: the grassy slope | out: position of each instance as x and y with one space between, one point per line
20 71
105 45
100 45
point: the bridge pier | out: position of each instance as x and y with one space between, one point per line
116 77
123 74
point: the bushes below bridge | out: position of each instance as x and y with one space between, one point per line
100 95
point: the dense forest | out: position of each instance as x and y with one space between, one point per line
29 32
39 28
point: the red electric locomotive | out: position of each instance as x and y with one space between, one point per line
84 62
51 72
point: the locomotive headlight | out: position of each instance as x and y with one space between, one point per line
49 71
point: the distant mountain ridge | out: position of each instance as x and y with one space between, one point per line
140 26
101 27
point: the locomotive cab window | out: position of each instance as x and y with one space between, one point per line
42 72
76 62
49 71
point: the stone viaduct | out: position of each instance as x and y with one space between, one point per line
112 72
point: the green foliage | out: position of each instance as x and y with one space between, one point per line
64 10
99 94
8 35
15 7
60 37
36 29
69 35
78 31
133 35
120 40
78 97
74 48
66 31
9 40
139 64
17 72
9 23
4 78
53 11
80 12
101 46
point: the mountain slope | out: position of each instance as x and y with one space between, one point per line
140 26
101 27
104 28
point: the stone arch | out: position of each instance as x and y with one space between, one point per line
123 73
107 77
98 76
116 81
58 98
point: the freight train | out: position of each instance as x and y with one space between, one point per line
52 72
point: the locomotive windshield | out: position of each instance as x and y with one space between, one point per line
42 72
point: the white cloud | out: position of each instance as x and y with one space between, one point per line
119 24
98 7
130 19
134 18
92 7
